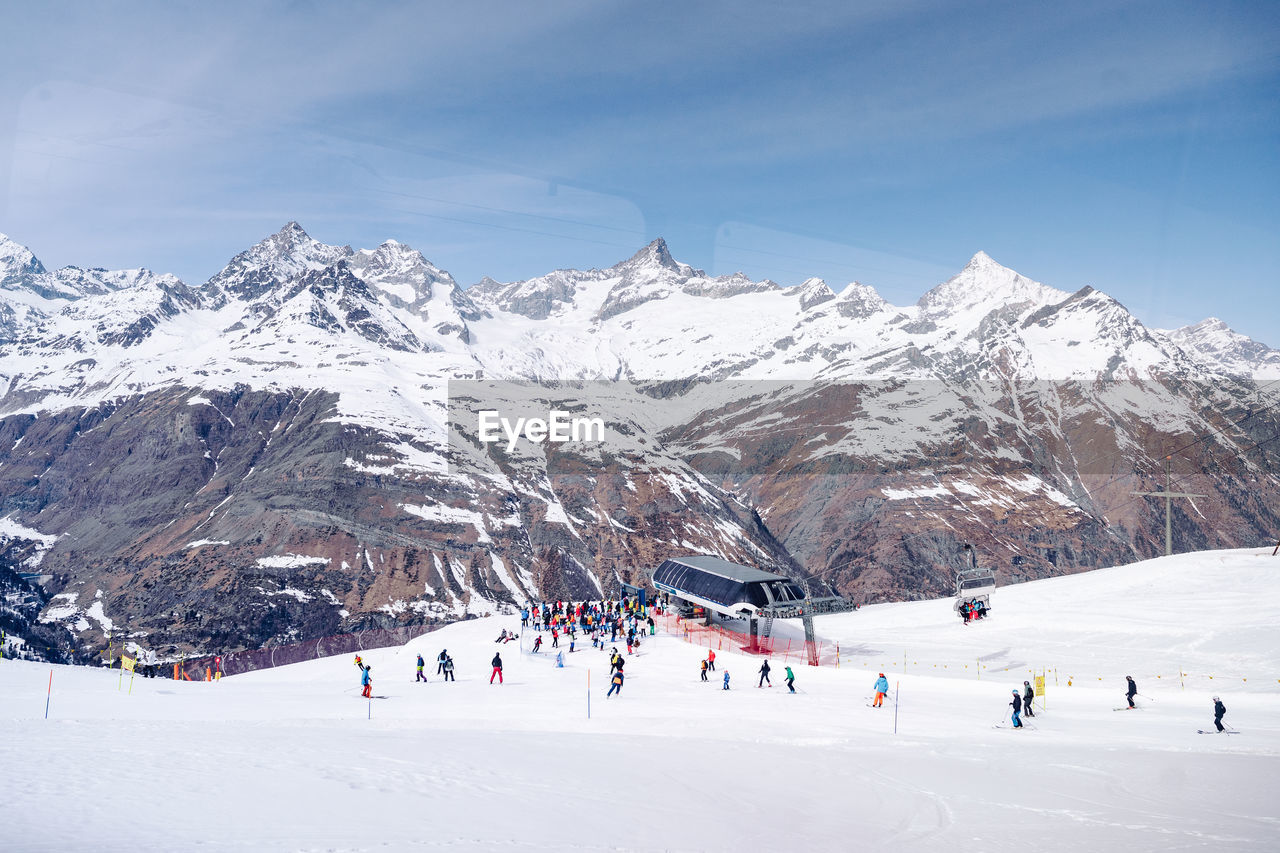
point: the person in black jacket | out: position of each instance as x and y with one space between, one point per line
764 674
1017 709
444 655
1218 710
1028 696
1133 690
497 668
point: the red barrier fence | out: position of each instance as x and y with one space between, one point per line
717 636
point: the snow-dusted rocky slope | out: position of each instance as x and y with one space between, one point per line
272 455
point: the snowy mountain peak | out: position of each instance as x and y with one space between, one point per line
400 272
987 285
656 254
17 262
1236 354
285 255
858 301
813 291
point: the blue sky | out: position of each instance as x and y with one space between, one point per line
1134 147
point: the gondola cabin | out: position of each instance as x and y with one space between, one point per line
973 591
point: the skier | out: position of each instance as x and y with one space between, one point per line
448 669
444 656
704 670
555 638
1218 710
1028 694
1017 709
537 644
421 664
726 679
711 659
617 685
497 668
764 674
524 617
791 680
367 680
881 688
613 660
1133 690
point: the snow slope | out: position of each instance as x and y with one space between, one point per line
293 759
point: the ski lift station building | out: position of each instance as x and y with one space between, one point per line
726 588
743 592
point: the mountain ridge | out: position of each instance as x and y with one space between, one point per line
302 403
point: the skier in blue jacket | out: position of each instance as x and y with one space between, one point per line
367 680
881 688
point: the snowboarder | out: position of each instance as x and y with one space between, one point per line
1133 690
617 685
704 670
448 669
1218 710
764 674
421 664
444 656
711 659
881 688
726 679
497 668
367 680
791 680
1028 694
1017 709
537 644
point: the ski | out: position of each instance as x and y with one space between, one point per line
1212 732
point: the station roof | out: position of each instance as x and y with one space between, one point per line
726 569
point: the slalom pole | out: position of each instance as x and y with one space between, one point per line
49 696
588 694
896 684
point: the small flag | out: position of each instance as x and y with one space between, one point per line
127 663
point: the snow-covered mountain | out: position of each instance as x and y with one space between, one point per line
273 454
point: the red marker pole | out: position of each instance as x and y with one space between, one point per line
48 696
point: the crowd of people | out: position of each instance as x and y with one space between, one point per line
628 619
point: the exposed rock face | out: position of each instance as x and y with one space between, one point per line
276 455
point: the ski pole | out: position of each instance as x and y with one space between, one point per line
1145 696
